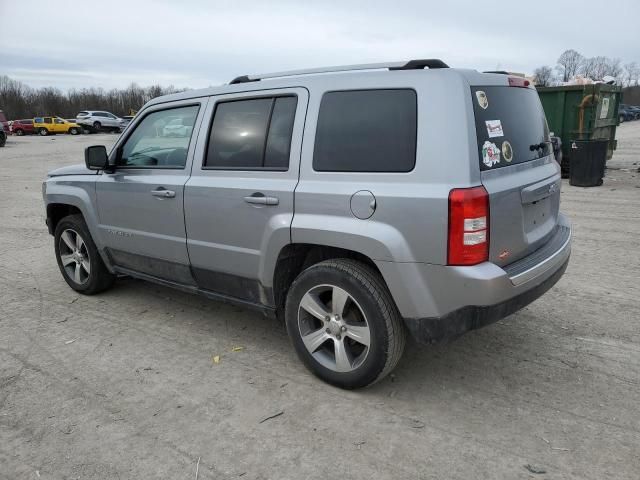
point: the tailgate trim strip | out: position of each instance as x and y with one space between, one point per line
542 259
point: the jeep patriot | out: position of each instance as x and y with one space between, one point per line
359 204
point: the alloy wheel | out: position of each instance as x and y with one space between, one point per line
75 256
334 328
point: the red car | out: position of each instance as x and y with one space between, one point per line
4 129
23 127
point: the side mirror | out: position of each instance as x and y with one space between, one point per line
95 157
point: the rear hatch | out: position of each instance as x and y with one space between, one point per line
517 168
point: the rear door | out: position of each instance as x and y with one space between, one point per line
518 169
239 198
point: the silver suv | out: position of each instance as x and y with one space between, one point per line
389 198
98 120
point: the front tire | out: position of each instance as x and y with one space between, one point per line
19 132
344 324
78 258
73 131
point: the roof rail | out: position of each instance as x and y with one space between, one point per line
410 65
500 72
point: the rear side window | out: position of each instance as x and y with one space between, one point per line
366 131
510 126
252 134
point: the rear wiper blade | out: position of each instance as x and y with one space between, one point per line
537 146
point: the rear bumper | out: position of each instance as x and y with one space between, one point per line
441 302
456 323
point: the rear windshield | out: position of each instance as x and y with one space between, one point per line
510 126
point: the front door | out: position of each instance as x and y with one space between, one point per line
140 204
59 125
239 199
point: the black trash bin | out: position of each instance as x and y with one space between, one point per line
588 158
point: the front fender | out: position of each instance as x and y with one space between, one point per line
80 193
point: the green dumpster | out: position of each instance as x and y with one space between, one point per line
582 112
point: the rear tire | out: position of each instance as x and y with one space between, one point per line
97 126
43 132
78 257
355 337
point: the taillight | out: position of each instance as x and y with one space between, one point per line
468 226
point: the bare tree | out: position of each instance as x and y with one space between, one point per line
631 73
20 101
595 67
569 64
543 76
614 69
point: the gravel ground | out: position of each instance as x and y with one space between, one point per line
122 385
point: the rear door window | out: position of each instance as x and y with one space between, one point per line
252 134
511 127
366 131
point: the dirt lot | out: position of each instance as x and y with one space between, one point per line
122 385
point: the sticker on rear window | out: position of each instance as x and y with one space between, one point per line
483 101
490 154
494 128
507 151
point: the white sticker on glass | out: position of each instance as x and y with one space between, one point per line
490 154
483 101
494 128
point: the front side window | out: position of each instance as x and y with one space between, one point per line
59 121
366 131
252 134
159 141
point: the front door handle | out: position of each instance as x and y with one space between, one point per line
259 199
163 193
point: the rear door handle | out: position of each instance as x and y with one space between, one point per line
163 193
259 199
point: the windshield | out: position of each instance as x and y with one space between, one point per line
510 126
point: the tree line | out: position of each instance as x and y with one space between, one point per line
18 100
572 63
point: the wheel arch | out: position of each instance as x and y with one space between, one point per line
294 258
62 201
57 211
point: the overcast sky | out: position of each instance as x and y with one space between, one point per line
200 43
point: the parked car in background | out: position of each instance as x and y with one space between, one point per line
126 120
97 120
23 127
47 125
625 114
177 128
4 129
634 110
